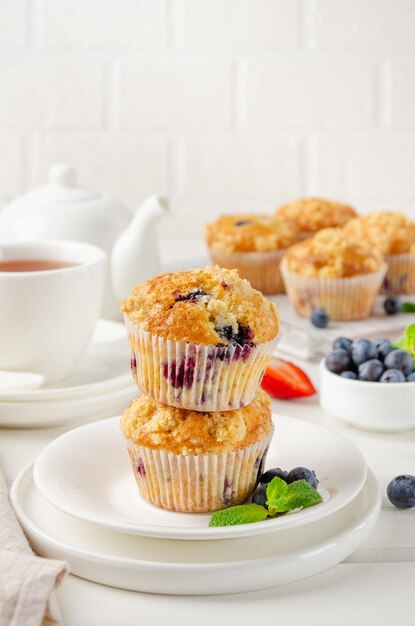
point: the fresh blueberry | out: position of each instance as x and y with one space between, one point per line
270 474
411 378
342 342
339 361
349 374
320 318
392 376
383 347
260 495
302 473
401 491
371 370
363 350
400 360
392 305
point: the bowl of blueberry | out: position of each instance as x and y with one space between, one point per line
371 383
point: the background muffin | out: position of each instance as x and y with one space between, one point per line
254 245
334 272
200 339
196 462
313 214
393 234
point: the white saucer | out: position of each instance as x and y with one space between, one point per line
101 386
196 567
86 473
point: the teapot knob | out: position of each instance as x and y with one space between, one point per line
62 174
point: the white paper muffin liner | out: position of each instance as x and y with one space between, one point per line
198 377
197 483
343 298
400 277
262 269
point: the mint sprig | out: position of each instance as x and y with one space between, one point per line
407 342
240 514
281 498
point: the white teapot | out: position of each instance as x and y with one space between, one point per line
62 210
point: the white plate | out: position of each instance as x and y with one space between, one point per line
196 567
104 367
86 473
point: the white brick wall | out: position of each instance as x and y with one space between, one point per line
224 105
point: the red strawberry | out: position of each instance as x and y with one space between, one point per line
284 380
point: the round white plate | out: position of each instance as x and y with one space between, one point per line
196 567
86 473
105 367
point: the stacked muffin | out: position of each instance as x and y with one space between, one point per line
200 343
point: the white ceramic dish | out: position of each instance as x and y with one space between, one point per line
196 567
86 473
101 386
383 407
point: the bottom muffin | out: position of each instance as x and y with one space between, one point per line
196 462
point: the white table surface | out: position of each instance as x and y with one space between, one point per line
374 586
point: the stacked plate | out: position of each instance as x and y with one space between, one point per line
79 502
101 386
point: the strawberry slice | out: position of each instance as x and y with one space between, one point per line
284 380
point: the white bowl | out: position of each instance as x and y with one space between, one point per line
382 407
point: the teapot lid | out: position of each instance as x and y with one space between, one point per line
62 188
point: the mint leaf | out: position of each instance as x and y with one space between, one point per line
408 340
240 514
277 487
408 307
299 494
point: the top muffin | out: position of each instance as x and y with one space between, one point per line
313 214
387 231
208 306
250 233
156 425
331 254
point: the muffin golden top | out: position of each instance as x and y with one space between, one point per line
313 214
208 306
249 232
155 425
331 254
387 231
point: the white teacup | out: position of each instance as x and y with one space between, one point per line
47 316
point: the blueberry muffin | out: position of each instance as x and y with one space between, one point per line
393 234
334 272
313 214
254 245
195 462
200 339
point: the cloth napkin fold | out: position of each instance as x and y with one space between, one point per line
27 581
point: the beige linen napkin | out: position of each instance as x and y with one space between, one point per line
26 581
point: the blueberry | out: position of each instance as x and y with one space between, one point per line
401 491
242 337
270 474
411 378
342 342
363 350
349 374
371 370
392 376
260 495
339 361
320 318
302 473
383 347
191 296
400 360
392 305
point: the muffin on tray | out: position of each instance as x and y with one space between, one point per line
200 339
393 234
254 245
313 214
334 272
196 462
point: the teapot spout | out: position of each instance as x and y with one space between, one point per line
135 255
